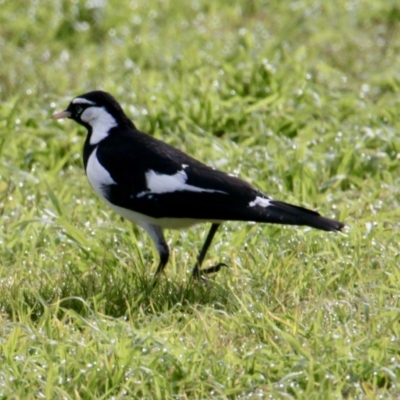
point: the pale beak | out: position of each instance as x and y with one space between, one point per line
61 114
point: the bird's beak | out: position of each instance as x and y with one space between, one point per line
61 114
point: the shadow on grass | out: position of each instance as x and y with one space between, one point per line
111 295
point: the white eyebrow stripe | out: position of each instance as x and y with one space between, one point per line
80 100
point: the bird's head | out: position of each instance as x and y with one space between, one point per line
98 111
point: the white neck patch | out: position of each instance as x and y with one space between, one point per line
80 100
100 121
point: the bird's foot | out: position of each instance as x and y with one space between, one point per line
199 273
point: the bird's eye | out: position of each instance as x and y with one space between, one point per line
78 109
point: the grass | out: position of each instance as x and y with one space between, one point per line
302 99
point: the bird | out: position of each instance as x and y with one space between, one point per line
158 186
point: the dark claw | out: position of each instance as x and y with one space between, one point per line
197 273
215 268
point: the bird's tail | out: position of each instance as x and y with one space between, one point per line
279 212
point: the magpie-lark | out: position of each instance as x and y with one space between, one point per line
159 187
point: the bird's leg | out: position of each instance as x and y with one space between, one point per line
157 235
164 256
197 272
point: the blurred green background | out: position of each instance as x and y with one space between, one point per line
301 98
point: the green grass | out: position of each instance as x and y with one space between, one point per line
299 97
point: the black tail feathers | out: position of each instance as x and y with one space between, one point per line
279 212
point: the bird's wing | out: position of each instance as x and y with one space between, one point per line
158 180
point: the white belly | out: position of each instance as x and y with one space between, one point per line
167 223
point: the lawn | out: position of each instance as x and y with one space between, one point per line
301 98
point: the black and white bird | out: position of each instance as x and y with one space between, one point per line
159 187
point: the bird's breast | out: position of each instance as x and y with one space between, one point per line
98 176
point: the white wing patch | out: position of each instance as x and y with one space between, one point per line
100 121
80 100
161 183
260 201
98 176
